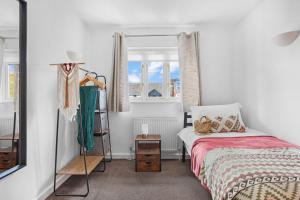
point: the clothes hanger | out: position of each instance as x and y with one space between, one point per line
96 82
94 73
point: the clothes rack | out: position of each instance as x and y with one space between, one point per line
72 170
102 129
83 164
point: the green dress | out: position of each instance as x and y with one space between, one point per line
88 98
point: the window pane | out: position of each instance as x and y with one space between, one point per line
135 78
155 79
175 79
11 80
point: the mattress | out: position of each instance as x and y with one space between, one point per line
188 136
244 166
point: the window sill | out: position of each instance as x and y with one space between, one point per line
6 101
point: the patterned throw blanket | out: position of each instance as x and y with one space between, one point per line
271 172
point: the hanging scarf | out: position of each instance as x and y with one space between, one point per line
68 89
88 99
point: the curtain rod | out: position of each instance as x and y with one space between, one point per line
151 35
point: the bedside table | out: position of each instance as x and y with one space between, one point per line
148 153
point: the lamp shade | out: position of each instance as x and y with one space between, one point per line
285 39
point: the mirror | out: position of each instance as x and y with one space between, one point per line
12 86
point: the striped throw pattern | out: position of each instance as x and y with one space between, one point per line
242 174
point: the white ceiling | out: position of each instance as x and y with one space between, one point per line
9 13
163 12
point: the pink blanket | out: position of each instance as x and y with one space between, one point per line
203 145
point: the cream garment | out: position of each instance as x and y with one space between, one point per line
68 90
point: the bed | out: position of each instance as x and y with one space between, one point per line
243 166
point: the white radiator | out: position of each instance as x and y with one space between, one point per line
167 127
6 126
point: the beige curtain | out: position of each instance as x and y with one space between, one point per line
119 97
189 62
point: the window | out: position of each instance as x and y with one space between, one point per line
135 78
9 68
153 74
10 80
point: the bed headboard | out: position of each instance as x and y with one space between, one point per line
187 120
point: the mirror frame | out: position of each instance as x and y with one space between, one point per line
23 88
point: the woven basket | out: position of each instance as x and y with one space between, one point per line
203 125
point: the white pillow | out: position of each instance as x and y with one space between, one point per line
216 110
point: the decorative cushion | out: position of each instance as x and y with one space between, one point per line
203 125
227 124
216 110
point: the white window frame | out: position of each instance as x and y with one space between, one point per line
165 85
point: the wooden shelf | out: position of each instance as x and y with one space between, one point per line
100 111
148 148
148 138
154 151
101 132
9 137
76 166
7 150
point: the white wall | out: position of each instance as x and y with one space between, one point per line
53 28
266 79
216 64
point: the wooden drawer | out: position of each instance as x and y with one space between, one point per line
148 157
148 165
7 160
7 155
7 165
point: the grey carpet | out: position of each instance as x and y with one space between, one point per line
121 182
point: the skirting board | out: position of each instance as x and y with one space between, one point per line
49 190
129 156
61 179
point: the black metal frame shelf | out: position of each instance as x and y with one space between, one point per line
101 132
85 163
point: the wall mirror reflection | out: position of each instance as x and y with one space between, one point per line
10 86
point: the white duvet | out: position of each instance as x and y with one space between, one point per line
188 136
